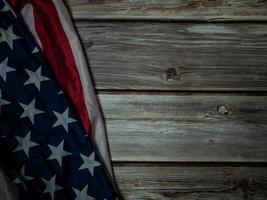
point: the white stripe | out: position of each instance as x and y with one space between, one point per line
27 13
98 128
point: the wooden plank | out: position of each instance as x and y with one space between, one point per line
184 182
171 128
204 10
176 56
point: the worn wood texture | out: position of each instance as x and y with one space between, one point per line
192 182
181 92
176 56
201 127
204 10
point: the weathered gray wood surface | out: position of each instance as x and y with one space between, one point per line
176 56
182 100
190 182
207 10
171 128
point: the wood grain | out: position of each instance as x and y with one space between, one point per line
176 56
203 10
192 182
169 138
171 128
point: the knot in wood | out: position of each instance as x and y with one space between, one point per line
223 110
171 74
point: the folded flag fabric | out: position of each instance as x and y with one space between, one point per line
48 122
51 26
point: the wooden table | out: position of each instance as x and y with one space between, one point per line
183 88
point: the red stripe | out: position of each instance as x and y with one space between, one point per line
57 50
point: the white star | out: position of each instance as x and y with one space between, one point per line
22 177
5 8
30 111
36 78
63 119
82 195
4 69
8 36
58 152
51 186
89 163
35 50
25 143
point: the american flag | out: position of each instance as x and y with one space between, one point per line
53 143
